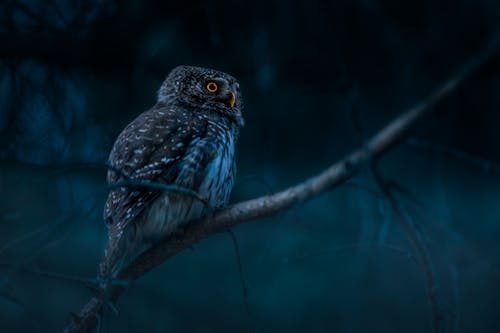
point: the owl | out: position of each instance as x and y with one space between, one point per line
186 139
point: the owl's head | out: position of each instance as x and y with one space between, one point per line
206 89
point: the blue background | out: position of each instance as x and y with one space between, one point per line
318 78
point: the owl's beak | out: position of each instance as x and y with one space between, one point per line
231 99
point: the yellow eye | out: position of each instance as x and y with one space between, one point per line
212 87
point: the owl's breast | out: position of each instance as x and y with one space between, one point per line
208 168
220 172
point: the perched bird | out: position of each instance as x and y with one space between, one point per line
187 139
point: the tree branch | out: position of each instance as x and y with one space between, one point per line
420 248
269 205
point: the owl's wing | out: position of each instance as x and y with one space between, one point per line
152 148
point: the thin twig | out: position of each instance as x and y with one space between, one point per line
49 275
42 22
158 186
269 205
352 246
487 166
240 270
421 251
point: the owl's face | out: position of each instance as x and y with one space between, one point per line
206 89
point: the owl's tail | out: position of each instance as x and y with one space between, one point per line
121 249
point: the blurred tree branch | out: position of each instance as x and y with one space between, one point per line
422 253
336 174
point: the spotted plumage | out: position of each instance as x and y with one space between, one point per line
186 139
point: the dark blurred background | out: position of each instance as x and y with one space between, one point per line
318 77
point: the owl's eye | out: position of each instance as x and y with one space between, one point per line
212 87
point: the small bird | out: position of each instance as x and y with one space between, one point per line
187 139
